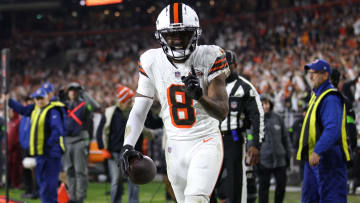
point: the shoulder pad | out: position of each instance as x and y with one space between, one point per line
147 58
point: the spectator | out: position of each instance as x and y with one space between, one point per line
77 144
46 145
349 89
110 136
256 38
14 150
323 143
350 113
275 154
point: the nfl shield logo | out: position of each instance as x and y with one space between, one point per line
233 105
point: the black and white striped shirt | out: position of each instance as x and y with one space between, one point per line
244 105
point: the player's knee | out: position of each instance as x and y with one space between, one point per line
197 199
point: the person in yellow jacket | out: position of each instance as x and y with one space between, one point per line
323 144
46 133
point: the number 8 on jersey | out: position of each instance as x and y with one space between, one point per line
181 107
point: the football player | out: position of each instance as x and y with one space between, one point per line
189 81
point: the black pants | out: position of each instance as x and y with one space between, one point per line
30 184
355 170
229 185
264 175
251 187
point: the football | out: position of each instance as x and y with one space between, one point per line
142 170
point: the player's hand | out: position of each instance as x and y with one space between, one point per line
253 155
127 153
192 85
4 97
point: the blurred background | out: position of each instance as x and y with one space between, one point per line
98 43
65 40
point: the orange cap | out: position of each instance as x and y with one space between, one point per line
123 93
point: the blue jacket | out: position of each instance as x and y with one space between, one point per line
331 113
76 115
54 127
24 131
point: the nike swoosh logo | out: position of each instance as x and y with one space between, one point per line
207 140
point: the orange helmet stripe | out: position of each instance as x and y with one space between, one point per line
176 12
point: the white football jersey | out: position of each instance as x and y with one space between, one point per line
183 117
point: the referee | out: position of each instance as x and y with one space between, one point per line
245 111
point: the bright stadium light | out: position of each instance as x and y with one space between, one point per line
101 2
82 3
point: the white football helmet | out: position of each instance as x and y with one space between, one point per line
175 18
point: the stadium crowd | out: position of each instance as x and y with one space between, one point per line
272 49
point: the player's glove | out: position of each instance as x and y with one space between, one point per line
127 153
192 85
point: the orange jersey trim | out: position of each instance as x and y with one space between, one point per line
218 67
142 71
219 64
220 60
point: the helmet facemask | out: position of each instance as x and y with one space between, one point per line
182 46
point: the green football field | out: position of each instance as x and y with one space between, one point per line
150 193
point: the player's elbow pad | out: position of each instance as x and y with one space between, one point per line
135 123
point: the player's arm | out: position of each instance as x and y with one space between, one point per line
216 101
136 120
143 101
134 127
135 124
